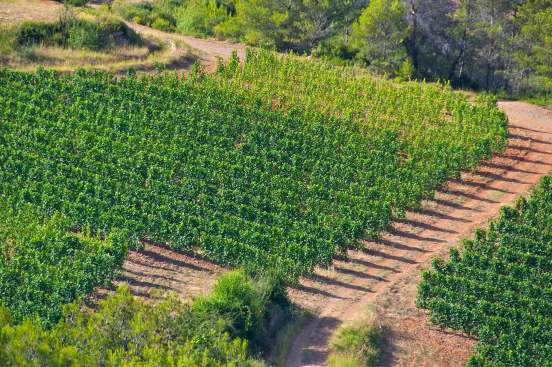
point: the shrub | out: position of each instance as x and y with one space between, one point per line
355 346
138 13
123 332
31 33
87 35
161 24
235 297
71 32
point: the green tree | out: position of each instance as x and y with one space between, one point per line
267 23
200 17
380 35
535 20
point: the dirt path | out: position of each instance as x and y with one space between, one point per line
207 50
383 275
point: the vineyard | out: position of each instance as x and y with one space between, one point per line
255 177
191 164
438 131
498 287
43 266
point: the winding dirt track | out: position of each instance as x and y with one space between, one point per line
383 275
207 50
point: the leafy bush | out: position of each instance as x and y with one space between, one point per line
75 33
87 35
8 40
32 33
235 297
138 13
158 15
200 17
161 24
337 50
124 332
357 346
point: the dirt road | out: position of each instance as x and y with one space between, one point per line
383 275
207 50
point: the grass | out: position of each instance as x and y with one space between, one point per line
541 101
358 345
122 59
7 40
154 55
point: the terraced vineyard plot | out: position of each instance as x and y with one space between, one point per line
498 286
205 166
188 165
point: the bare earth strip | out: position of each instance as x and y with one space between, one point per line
382 276
156 270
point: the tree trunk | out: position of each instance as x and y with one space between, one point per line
459 60
414 35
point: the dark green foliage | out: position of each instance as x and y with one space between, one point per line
71 32
86 35
43 266
200 17
499 286
30 33
159 14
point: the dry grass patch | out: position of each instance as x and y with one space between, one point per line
120 59
16 11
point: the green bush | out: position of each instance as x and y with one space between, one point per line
236 298
161 24
356 346
32 33
157 15
87 35
337 50
75 33
123 332
139 13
